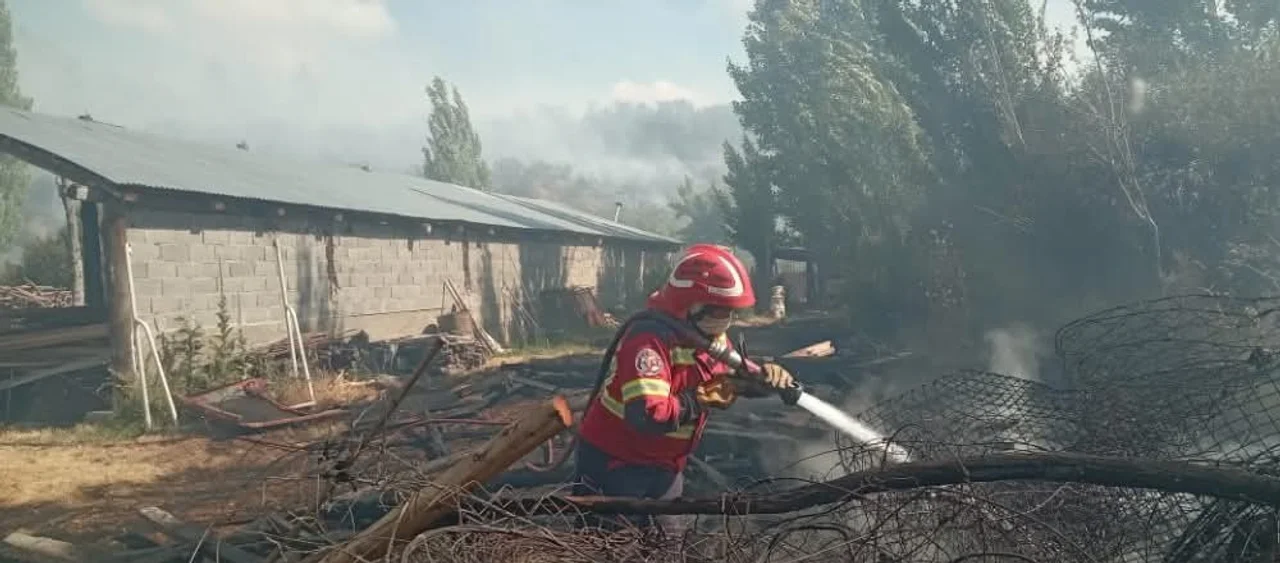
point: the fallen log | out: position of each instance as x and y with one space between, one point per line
1167 476
439 498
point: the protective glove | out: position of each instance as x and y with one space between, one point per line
718 393
778 377
772 378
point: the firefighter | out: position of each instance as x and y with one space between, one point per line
648 414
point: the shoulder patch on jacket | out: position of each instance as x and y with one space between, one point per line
648 362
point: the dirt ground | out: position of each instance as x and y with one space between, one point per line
90 491
84 492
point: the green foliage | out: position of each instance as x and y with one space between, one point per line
939 158
228 354
453 151
835 136
749 204
195 361
14 175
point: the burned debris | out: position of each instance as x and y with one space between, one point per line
1001 465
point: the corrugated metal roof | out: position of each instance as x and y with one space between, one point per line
126 157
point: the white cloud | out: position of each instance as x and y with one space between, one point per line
650 92
277 35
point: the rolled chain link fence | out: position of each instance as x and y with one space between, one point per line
1189 378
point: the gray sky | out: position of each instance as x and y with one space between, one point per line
343 79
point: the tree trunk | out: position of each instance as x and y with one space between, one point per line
72 208
763 276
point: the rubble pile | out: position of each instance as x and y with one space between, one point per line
32 296
321 349
461 354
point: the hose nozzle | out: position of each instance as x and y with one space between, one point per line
791 395
744 366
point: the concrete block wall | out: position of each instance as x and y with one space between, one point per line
367 276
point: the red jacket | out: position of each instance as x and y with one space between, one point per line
645 413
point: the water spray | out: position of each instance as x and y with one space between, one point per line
795 395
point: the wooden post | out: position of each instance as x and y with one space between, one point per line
119 304
440 497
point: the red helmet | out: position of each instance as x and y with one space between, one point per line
706 274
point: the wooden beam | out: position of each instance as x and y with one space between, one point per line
120 305
820 350
440 498
52 337
50 372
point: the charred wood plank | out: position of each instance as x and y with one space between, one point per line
209 544
43 547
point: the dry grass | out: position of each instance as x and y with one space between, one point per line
541 353
332 390
84 433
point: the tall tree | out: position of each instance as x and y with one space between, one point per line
14 176
704 219
846 153
453 151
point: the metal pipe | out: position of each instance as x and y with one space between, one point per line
138 367
139 364
284 303
297 350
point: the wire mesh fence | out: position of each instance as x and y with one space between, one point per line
1188 378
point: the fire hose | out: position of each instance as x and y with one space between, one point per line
743 369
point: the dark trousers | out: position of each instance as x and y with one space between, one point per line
593 476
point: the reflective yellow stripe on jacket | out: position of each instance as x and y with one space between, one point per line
636 389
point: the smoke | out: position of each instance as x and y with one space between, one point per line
643 150
651 145
42 212
1014 351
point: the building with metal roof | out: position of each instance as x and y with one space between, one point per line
172 232
98 153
